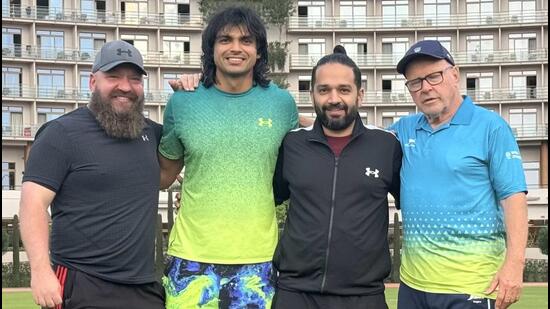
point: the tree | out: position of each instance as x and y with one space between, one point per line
278 12
543 240
280 80
277 52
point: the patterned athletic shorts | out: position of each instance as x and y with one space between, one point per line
191 284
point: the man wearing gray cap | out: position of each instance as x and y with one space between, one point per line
97 167
462 193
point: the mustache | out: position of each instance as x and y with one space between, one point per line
129 95
336 106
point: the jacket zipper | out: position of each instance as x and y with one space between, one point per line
327 254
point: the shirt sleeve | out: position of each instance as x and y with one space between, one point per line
281 191
49 158
294 114
171 146
395 188
505 163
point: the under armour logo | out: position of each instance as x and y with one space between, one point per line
145 138
411 143
265 122
513 155
120 51
368 172
416 50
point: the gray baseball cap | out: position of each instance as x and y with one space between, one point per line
115 53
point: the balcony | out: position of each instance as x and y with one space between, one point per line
108 18
531 132
371 61
379 23
484 96
87 56
19 131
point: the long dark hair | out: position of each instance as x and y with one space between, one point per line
340 56
235 16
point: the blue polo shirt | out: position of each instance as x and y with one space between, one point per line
452 180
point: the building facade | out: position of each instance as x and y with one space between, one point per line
501 47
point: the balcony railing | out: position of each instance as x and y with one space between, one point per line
337 23
487 96
39 13
19 131
74 55
535 131
484 96
460 57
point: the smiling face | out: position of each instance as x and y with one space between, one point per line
336 98
235 54
117 100
438 102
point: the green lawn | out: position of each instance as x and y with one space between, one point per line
533 298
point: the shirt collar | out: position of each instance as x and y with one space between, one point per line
462 116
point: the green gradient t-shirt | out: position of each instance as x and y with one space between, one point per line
229 144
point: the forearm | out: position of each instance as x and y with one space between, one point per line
515 216
169 170
34 218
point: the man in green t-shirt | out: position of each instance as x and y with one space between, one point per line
227 134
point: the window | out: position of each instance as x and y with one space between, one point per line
56 7
304 88
176 12
395 13
522 10
388 118
523 84
444 40
12 121
480 47
11 82
532 170
353 14
522 45
50 44
312 13
176 48
396 47
47 113
139 41
479 86
437 12
314 49
393 88
51 83
479 12
85 84
356 49
8 175
5 9
523 121
90 44
134 12
11 42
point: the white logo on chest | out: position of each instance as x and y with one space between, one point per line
369 173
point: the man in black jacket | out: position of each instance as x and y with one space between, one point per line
337 173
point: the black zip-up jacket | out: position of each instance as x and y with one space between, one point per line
335 237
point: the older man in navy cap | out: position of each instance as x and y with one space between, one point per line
462 193
97 167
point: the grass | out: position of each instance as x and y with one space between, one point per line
534 297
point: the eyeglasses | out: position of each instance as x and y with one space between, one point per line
433 79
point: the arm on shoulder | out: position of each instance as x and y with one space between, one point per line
169 170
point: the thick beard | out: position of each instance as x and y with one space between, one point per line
336 124
128 125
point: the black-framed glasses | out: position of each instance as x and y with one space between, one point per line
433 79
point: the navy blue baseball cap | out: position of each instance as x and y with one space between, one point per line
430 48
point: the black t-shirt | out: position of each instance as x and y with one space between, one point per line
106 202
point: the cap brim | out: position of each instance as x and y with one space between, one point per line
111 65
402 64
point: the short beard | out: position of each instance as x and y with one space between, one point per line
337 124
128 125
